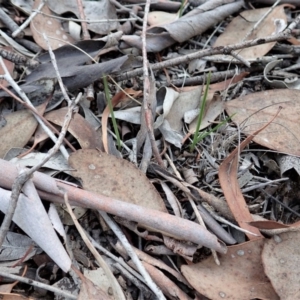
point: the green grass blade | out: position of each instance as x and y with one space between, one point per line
109 103
202 110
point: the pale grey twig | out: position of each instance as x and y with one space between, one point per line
117 231
53 60
39 285
28 20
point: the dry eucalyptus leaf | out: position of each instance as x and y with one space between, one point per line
19 128
114 177
93 10
41 24
281 262
79 128
245 22
240 275
254 110
157 18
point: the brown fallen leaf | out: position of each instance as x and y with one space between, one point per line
114 177
11 134
79 128
245 22
42 23
253 110
280 257
230 186
240 276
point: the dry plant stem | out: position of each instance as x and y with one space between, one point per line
27 22
54 63
85 32
14 85
117 4
145 291
224 221
35 112
86 36
9 23
80 20
240 58
284 35
26 174
118 260
148 88
201 222
117 231
39 285
117 290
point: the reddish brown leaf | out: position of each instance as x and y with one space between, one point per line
79 128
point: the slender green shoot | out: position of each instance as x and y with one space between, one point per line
201 114
109 103
198 137
181 8
204 134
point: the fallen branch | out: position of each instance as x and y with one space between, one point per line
53 190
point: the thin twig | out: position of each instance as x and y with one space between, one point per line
118 293
38 284
10 23
284 35
117 231
27 22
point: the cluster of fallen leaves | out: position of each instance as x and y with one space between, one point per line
167 211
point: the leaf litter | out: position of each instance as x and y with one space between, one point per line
241 179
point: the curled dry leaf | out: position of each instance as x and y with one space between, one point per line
240 276
280 258
79 128
245 22
253 110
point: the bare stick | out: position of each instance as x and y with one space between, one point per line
9 23
117 231
17 31
39 285
118 293
282 36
